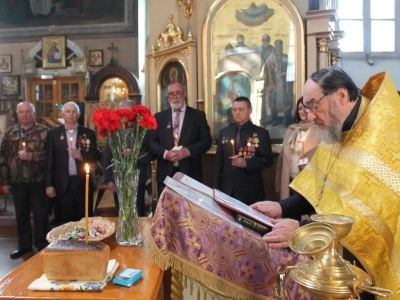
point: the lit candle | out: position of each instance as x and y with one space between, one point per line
176 140
87 204
71 140
23 146
233 149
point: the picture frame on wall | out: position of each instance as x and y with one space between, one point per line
53 52
29 67
5 63
96 58
10 85
78 65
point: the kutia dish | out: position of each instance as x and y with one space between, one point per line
99 229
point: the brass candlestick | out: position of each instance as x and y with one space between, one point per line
327 275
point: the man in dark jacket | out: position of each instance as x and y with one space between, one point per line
243 151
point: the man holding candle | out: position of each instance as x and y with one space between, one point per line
69 147
181 138
243 151
22 160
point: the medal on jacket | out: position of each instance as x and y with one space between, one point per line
62 136
169 125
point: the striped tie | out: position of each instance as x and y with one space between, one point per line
176 126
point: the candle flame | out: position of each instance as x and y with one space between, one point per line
87 168
232 142
23 144
71 138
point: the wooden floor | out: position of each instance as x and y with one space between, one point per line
8 231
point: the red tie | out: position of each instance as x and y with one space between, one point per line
176 126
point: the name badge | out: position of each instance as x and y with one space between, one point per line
303 161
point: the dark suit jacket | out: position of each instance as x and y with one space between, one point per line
244 184
195 135
57 157
143 164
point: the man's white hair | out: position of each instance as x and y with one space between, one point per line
69 104
31 106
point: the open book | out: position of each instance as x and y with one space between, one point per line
227 201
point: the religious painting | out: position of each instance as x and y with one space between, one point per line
254 50
10 85
172 71
78 65
34 18
5 63
96 58
230 85
53 52
10 106
29 67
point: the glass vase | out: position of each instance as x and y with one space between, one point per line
128 229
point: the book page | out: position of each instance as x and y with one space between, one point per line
242 208
198 186
199 199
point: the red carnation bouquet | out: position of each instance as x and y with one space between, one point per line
124 127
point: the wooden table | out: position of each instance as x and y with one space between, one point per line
15 284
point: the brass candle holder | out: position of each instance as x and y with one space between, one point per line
327 275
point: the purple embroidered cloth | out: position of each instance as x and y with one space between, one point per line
200 238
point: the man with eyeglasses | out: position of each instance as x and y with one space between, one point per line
181 138
355 171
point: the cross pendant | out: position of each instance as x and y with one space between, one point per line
321 191
321 188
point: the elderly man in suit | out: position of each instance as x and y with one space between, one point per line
69 148
181 138
238 166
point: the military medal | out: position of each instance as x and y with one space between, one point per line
62 137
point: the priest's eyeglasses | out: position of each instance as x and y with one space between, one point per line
175 94
313 107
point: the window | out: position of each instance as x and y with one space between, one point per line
369 26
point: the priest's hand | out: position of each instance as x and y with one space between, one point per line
271 209
280 234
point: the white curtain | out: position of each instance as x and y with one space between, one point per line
40 6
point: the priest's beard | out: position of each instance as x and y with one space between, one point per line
331 134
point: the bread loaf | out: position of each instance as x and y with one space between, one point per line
75 260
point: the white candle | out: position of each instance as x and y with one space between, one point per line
87 204
71 140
